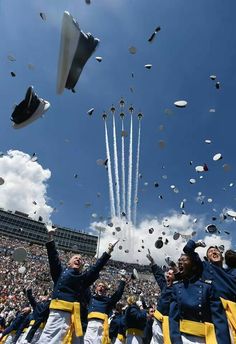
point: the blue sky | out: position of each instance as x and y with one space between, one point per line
197 39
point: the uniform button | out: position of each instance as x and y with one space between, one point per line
200 291
200 313
199 305
179 292
199 298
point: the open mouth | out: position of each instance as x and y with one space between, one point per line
77 264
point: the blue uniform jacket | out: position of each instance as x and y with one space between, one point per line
196 300
70 284
163 303
135 317
18 324
40 309
117 325
232 272
223 281
147 337
41 317
105 304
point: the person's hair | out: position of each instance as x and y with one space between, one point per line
230 259
196 268
119 306
102 282
131 299
216 247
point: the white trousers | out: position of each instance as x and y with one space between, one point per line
94 332
189 339
117 341
10 338
56 328
157 335
22 339
131 339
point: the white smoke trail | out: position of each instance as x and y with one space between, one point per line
117 180
137 174
129 193
111 192
123 168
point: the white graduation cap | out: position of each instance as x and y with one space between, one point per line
75 49
30 109
135 274
180 103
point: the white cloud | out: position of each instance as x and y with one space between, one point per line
165 227
25 183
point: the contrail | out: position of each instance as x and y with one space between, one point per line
137 174
111 192
123 167
117 181
129 193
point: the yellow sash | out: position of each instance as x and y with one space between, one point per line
120 337
104 317
206 330
230 310
42 325
164 319
74 309
134 332
2 341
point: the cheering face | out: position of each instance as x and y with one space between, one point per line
185 266
169 275
214 255
76 262
151 312
101 289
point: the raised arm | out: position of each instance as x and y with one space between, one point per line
92 274
189 249
118 293
54 260
158 273
31 298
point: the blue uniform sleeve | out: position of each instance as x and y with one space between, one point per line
189 249
54 261
159 276
139 315
24 324
118 294
219 319
13 326
31 298
92 274
174 319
